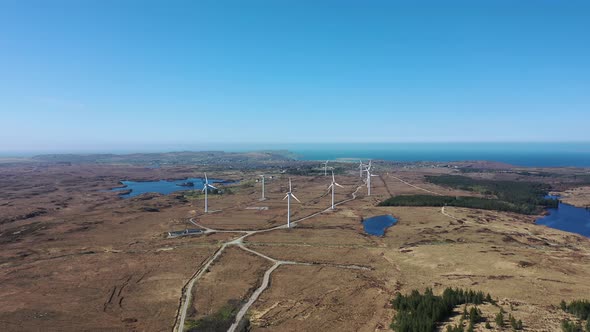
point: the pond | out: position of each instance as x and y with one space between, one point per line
377 225
164 187
567 218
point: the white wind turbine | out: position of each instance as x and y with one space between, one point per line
288 197
326 168
369 175
361 168
206 186
263 198
333 187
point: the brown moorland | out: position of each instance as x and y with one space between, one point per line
77 257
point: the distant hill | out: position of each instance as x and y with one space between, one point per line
172 158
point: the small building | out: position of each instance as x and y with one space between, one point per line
188 231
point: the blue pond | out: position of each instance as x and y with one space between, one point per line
377 225
164 187
567 218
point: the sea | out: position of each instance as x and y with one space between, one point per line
518 154
536 154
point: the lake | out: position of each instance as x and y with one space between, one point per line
377 225
567 218
164 187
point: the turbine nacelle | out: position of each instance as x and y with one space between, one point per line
206 185
290 193
334 182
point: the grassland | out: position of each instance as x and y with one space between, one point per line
94 261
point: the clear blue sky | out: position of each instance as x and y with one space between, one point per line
97 74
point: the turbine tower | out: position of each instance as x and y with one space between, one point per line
333 187
326 168
288 197
206 186
263 198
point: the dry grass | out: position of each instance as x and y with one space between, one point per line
59 272
579 196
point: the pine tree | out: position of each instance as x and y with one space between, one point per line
500 319
516 325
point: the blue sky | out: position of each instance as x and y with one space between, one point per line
89 74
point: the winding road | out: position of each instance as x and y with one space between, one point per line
187 289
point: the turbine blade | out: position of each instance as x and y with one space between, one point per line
338 185
295 198
212 186
290 185
285 197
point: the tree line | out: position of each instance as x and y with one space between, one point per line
515 192
422 312
459 201
507 196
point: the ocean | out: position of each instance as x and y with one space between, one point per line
518 154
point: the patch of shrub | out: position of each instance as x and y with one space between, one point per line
568 326
217 322
578 308
516 325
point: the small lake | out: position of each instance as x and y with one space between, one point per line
164 187
567 218
377 225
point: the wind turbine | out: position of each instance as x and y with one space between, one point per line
288 197
361 168
326 168
206 186
369 175
263 198
333 186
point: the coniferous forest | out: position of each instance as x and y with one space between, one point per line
422 312
509 196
